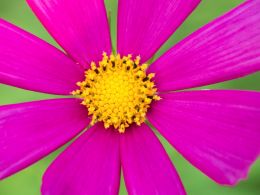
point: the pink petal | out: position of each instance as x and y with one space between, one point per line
91 165
146 166
79 26
30 63
217 131
143 26
225 49
30 131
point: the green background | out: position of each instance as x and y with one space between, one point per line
28 181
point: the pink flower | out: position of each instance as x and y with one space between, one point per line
218 131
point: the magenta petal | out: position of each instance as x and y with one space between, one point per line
30 131
146 166
91 165
143 26
30 63
217 131
225 49
79 26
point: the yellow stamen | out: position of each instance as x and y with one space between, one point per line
117 91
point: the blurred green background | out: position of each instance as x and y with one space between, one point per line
28 181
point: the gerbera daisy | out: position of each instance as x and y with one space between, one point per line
116 96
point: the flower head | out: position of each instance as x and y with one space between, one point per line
117 92
115 95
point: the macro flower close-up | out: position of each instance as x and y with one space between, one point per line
113 101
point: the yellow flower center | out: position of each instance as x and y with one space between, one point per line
117 91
